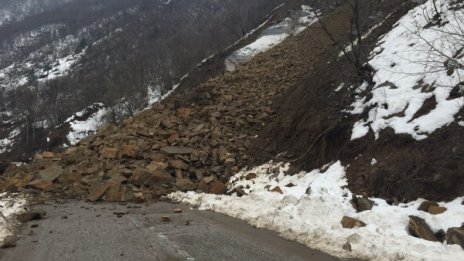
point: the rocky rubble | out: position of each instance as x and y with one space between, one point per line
192 141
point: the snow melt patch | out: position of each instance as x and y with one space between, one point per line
409 64
86 122
61 67
7 143
312 205
271 37
9 207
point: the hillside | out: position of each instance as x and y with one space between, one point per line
342 134
58 58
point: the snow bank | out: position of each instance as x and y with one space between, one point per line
271 37
86 122
409 64
9 206
312 205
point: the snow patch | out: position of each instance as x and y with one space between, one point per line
312 205
9 207
409 64
7 143
86 122
271 37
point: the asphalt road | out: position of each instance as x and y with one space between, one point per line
85 231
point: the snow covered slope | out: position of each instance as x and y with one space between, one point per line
85 122
418 65
272 36
310 209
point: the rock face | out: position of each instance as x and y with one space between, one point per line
419 228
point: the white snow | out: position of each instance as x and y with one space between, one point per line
9 206
62 66
312 205
83 128
8 142
271 37
409 64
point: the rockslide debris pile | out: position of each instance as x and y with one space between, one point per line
191 141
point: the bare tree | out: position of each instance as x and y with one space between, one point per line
355 53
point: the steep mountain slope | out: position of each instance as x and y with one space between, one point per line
199 133
59 58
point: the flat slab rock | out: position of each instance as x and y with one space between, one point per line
173 150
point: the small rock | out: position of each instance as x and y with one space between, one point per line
109 153
419 228
347 246
48 155
165 219
455 235
139 197
239 190
218 188
349 222
177 210
440 235
178 164
277 189
187 222
129 151
185 184
51 173
97 191
173 150
120 213
424 206
31 215
362 203
209 179
434 210
115 193
250 176
40 184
